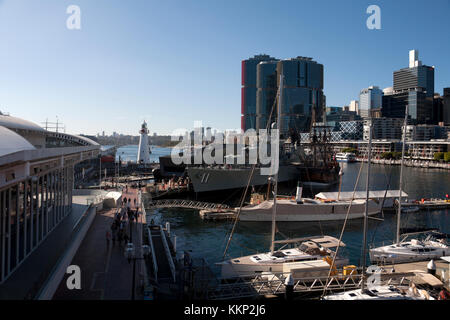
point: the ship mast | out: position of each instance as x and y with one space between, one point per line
366 212
275 187
401 175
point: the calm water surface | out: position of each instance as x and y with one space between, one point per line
208 239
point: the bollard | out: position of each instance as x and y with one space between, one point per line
431 267
174 243
289 283
168 228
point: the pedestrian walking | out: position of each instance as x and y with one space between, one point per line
126 238
114 236
120 236
134 202
108 238
125 200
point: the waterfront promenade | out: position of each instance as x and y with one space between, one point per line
106 273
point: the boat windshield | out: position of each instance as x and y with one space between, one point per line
279 254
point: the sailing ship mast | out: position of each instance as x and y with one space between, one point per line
401 175
275 187
366 213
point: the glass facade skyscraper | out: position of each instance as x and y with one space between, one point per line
303 98
413 86
248 90
369 99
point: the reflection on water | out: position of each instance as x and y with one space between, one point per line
208 239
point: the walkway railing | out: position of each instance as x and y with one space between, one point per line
168 254
274 284
152 248
190 204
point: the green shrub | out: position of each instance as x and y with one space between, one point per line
447 156
438 156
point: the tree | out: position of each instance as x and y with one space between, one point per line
447 156
438 156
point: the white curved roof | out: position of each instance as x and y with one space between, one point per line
11 142
17 123
90 141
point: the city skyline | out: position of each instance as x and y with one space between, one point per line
121 67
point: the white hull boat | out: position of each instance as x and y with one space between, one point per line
308 210
410 251
311 259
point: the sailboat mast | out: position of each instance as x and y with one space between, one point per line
401 175
366 212
275 186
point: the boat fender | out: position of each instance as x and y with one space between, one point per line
431 267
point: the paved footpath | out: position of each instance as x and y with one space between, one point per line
105 272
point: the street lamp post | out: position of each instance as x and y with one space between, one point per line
130 254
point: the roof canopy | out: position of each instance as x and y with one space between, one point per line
17 123
11 142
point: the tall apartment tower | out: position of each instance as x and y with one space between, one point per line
413 86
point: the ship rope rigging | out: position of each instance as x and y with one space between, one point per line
241 202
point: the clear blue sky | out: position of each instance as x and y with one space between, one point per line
174 62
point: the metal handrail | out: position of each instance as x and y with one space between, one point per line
152 248
169 256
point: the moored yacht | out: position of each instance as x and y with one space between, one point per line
312 258
309 210
433 246
345 157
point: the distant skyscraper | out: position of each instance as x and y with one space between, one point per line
446 107
248 91
354 106
413 86
369 100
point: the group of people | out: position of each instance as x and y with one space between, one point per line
174 183
123 218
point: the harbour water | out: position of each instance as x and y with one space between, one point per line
129 153
208 239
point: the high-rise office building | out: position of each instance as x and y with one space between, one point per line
303 98
413 86
369 101
446 107
266 84
354 106
248 91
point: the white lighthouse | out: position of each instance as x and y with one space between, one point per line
143 152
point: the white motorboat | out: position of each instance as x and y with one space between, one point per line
345 157
433 247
